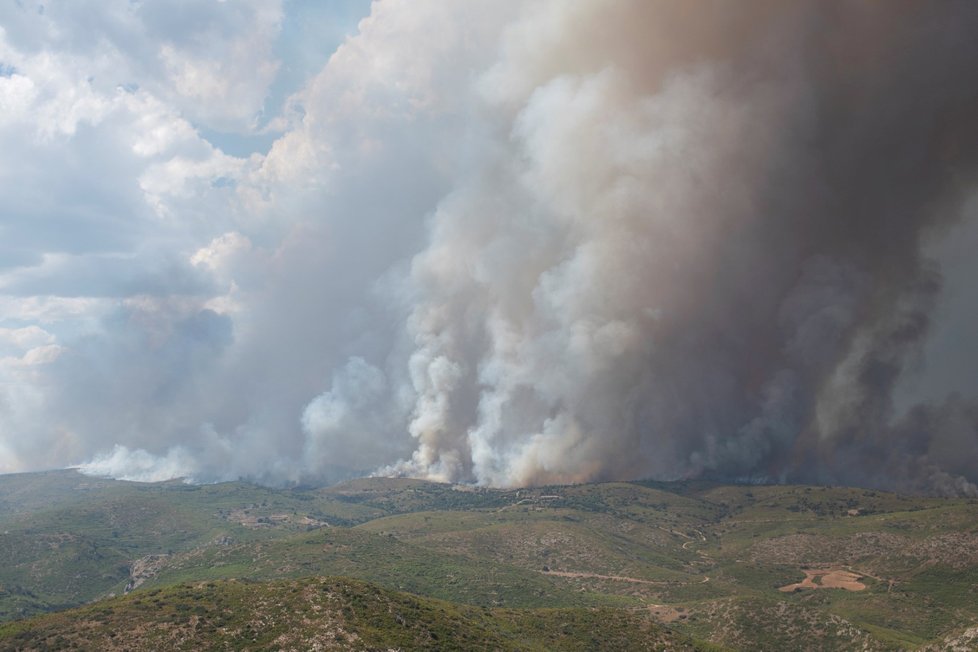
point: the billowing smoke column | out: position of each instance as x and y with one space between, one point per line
540 242
697 248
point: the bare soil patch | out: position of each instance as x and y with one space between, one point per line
827 578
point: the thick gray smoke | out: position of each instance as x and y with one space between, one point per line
699 249
537 242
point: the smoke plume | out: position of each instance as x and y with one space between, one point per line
540 242
699 249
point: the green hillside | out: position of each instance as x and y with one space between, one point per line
327 614
746 567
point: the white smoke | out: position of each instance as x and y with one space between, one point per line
544 286
140 466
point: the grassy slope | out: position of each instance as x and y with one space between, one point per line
387 561
748 541
714 554
327 613
906 548
66 538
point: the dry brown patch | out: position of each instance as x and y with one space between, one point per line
828 578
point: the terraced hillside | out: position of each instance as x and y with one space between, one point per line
743 567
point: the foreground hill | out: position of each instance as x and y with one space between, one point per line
327 614
745 567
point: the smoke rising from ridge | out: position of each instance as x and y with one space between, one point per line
697 253
555 242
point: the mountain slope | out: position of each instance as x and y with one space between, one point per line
327 614
748 567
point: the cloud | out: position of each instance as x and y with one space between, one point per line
213 62
25 338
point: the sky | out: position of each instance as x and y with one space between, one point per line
498 242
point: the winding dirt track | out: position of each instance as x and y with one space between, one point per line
617 578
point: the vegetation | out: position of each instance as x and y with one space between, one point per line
328 614
705 560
